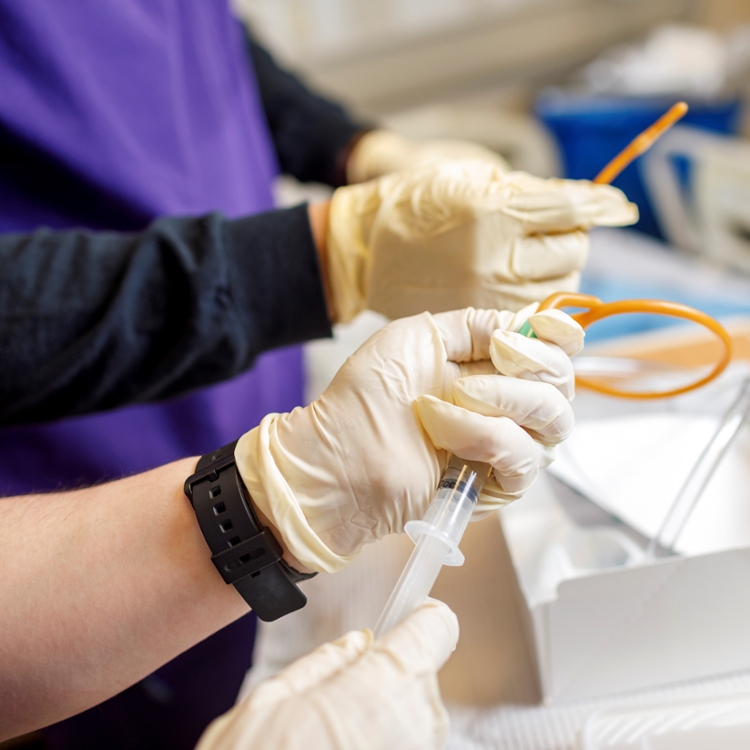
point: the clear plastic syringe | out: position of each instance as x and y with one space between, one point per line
437 536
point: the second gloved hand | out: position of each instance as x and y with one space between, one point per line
459 234
381 152
353 694
366 457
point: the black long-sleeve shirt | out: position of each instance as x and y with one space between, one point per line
310 133
96 320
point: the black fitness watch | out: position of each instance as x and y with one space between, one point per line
245 554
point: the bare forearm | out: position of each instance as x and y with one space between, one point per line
98 588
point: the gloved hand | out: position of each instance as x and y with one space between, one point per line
366 457
459 234
353 694
381 152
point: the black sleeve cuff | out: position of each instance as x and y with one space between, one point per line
278 290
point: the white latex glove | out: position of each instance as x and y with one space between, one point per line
459 234
366 457
353 694
381 152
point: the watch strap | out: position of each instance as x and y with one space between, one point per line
247 555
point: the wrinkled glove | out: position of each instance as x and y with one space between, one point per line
381 152
459 234
353 694
366 457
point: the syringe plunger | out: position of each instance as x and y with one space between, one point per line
437 537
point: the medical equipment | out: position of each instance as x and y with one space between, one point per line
436 536
641 143
712 218
700 475
588 130
596 310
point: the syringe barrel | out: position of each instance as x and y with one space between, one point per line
437 536
451 508
454 501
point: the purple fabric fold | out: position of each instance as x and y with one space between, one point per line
113 114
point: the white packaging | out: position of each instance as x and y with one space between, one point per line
604 622
686 724
628 628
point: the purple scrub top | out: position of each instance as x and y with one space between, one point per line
113 113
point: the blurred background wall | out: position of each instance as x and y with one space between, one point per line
387 55
722 14
384 55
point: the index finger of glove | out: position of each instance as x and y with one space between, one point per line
537 407
497 441
557 327
423 641
466 333
566 205
517 356
540 256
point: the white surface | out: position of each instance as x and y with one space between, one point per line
685 724
628 256
634 466
558 727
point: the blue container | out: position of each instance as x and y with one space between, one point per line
590 130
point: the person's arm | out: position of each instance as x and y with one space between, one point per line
96 320
313 135
100 587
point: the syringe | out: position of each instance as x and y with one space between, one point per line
437 536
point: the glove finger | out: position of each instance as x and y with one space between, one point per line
532 359
537 407
497 441
512 295
423 641
564 205
434 152
394 686
494 497
556 327
466 333
314 668
468 369
548 256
